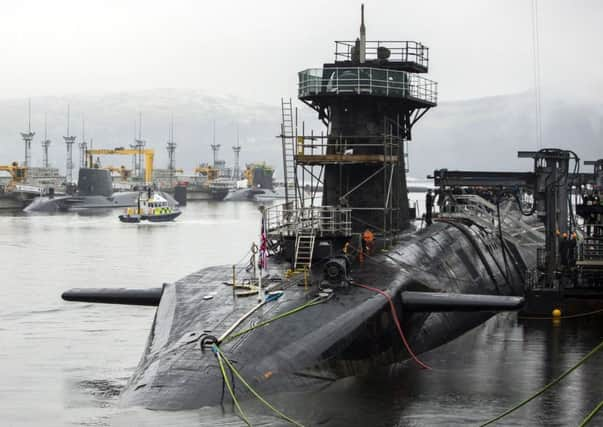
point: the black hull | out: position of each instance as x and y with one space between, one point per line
162 218
351 334
129 219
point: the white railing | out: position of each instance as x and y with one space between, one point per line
399 51
319 220
366 81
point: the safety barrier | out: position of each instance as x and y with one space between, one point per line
318 220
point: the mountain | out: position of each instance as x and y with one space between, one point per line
481 133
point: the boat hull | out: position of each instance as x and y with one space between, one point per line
162 218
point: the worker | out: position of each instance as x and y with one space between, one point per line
346 248
368 240
429 199
564 249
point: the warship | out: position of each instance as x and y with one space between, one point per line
342 287
94 191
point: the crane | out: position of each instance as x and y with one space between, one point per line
17 173
148 153
209 171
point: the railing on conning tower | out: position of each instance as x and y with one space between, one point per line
366 81
283 220
406 52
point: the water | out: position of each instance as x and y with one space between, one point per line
65 363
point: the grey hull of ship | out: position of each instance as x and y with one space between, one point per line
81 203
350 334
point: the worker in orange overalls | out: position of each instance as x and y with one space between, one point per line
368 241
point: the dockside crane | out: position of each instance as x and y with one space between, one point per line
148 154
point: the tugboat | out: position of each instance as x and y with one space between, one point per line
150 207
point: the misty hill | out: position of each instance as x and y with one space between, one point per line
474 134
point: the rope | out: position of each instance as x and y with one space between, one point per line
547 387
221 355
397 322
592 414
310 303
229 386
571 316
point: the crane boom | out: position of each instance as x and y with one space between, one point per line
148 153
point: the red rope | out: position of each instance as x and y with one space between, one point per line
397 322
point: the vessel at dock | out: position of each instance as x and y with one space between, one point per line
94 191
349 304
151 207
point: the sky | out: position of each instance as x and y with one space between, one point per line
254 49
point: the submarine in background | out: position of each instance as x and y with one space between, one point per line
94 191
318 302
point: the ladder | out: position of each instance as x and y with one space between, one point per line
289 143
304 247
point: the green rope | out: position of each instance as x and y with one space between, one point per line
546 387
255 393
230 390
592 414
311 303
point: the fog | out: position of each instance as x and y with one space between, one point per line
233 61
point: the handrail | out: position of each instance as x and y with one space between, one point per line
319 220
366 81
400 51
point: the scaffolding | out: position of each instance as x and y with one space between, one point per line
305 157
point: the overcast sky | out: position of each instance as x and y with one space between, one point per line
253 49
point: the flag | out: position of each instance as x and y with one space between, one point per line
263 246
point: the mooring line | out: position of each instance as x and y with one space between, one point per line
547 387
591 415
221 356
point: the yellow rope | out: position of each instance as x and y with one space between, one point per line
590 416
255 393
311 303
230 390
546 387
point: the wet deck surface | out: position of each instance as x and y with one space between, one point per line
65 363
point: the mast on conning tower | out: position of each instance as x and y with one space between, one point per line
362 52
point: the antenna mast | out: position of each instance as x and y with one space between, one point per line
45 143
236 172
27 138
171 149
215 147
83 145
69 141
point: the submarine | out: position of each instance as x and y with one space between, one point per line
94 191
319 300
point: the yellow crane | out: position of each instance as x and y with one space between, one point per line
17 173
210 172
122 171
148 154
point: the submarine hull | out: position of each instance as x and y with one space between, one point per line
351 333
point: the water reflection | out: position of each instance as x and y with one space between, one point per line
64 364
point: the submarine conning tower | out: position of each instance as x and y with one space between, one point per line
369 98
